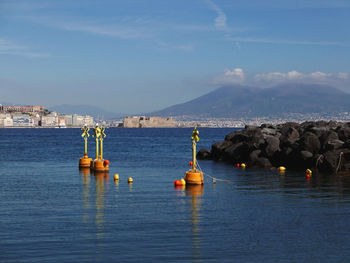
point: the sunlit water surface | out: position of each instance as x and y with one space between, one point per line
52 212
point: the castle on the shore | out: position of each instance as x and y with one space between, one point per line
148 122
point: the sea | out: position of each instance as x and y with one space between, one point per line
50 211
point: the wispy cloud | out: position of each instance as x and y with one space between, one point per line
9 48
220 20
238 76
286 42
295 76
181 47
109 30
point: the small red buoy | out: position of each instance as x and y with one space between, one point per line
237 165
177 182
106 162
190 163
308 176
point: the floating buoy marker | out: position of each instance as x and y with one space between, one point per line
116 177
194 176
308 173
99 164
130 180
85 162
282 169
243 165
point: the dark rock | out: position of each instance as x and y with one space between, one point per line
310 142
272 145
253 157
328 136
236 137
306 155
344 133
289 136
203 154
237 153
329 162
218 148
333 145
313 145
262 162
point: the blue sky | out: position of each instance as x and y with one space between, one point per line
138 56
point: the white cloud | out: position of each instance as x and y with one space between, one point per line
112 31
286 41
9 48
234 76
273 78
269 79
220 20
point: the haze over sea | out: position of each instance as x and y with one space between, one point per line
52 212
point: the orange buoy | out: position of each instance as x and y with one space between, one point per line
178 183
190 163
85 162
237 165
194 177
100 165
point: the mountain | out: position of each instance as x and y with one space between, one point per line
245 101
85 110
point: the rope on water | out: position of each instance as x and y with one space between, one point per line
319 159
339 162
213 178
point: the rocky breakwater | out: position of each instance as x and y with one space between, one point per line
321 146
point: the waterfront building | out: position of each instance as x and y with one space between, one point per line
22 109
148 122
6 120
22 120
50 120
80 120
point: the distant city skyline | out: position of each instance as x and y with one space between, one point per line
141 56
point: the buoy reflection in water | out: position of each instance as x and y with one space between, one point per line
195 191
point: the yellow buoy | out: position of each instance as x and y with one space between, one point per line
130 180
183 181
243 165
116 177
282 169
308 172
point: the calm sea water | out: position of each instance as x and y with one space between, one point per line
52 212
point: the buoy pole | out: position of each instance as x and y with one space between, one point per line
97 148
193 155
101 148
85 149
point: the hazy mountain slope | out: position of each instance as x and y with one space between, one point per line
85 110
251 101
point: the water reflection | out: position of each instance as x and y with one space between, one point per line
329 186
195 191
101 182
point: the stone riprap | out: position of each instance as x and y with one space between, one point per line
321 146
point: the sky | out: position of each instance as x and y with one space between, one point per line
131 56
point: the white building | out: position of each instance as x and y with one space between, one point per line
22 120
49 121
79 120
6 120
